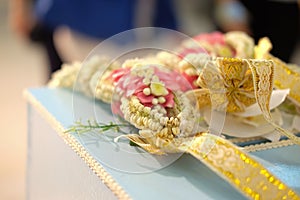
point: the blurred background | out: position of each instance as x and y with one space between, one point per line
25 64
22 65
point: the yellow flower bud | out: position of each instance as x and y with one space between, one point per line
158 89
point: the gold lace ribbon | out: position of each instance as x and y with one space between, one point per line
246 81
286 75
227 160
238 168
231 163
263 77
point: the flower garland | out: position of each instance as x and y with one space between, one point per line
163 96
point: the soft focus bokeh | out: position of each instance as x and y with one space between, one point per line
23 64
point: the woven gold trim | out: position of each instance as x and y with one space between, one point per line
241 140
268 145
261 146
70 140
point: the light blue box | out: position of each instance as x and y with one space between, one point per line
97 168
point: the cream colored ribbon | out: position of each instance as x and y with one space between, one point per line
263 78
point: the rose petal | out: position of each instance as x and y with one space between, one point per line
169 100
115 108
195 50
118 73
190 79
144 98
212 38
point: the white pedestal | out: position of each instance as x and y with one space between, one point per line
54 170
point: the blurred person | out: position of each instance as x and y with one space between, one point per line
231 15
276 19
26 24
194 16
74 41
77 26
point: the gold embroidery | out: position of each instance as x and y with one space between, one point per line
232 76
263 75
227 160
244 81
286 76
239 169
238 82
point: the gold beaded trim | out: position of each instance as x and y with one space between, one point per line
70 140
240 140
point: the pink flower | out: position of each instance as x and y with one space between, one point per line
212 38
146 100
128 84
115 108
118 73
169 100
125 82
176 81
216 40
190 79
194 50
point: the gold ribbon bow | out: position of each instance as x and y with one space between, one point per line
244 82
